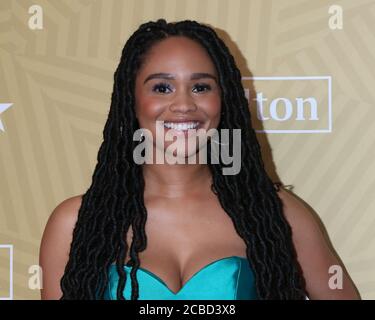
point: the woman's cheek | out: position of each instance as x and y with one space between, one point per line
149 109
213 108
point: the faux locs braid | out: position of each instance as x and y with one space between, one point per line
114 201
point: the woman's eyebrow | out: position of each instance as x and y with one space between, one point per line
169 76
201 75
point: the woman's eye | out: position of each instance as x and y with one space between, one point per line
202 87
161 88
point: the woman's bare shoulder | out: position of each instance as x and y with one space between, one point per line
61 222
65 215
55 245
296 211
70 204
314 251
307 228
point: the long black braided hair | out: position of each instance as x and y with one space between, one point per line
114 201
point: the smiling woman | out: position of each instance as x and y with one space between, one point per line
194 233
186 93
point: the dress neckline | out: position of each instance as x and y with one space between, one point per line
157 278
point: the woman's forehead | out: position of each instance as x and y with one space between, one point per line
178 53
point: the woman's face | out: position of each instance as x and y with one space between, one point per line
177 84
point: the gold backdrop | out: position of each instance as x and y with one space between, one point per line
58 80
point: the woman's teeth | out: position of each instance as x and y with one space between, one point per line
181 125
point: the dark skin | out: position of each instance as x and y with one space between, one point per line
185 223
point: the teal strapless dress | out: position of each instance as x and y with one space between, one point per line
229 278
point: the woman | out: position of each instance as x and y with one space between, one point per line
194 233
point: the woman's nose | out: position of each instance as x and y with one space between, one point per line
183 102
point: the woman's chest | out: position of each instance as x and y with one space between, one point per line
185 236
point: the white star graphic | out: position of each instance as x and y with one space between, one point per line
3 107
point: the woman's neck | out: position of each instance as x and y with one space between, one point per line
175 181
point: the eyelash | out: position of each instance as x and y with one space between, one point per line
155 88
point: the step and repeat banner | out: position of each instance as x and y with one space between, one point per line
308 72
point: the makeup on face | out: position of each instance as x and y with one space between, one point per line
178 85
